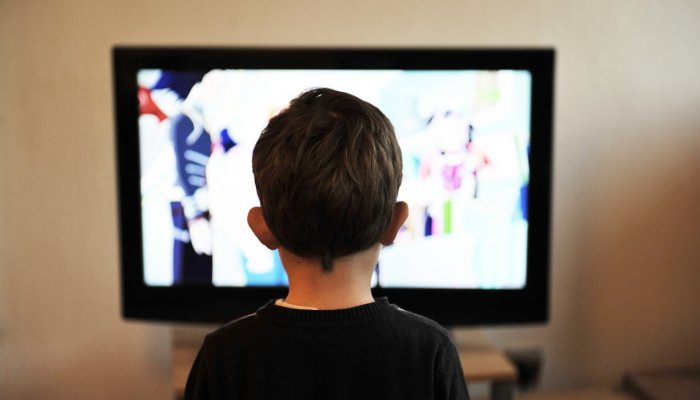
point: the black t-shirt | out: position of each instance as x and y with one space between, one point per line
374 351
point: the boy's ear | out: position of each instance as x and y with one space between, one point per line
257 224
398 217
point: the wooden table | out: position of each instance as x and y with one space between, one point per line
668 384
493 367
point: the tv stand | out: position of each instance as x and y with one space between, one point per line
490 366
483 362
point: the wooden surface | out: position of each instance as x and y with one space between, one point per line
183 357
487 365
674 384
581 394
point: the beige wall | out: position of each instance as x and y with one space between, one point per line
626 245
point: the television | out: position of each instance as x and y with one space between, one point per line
475 129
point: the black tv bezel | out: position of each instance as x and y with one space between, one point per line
215 305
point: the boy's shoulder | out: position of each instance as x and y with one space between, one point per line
420 320
422 326
247 326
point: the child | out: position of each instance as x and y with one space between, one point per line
327 171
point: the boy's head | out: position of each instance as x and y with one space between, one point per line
327 172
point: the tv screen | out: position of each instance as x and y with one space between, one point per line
475 129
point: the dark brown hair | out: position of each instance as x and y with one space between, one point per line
327 172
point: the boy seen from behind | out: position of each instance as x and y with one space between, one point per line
327 172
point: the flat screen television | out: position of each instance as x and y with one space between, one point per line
475 128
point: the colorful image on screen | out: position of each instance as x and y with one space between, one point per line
464 136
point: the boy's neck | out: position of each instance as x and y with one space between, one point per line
347 285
